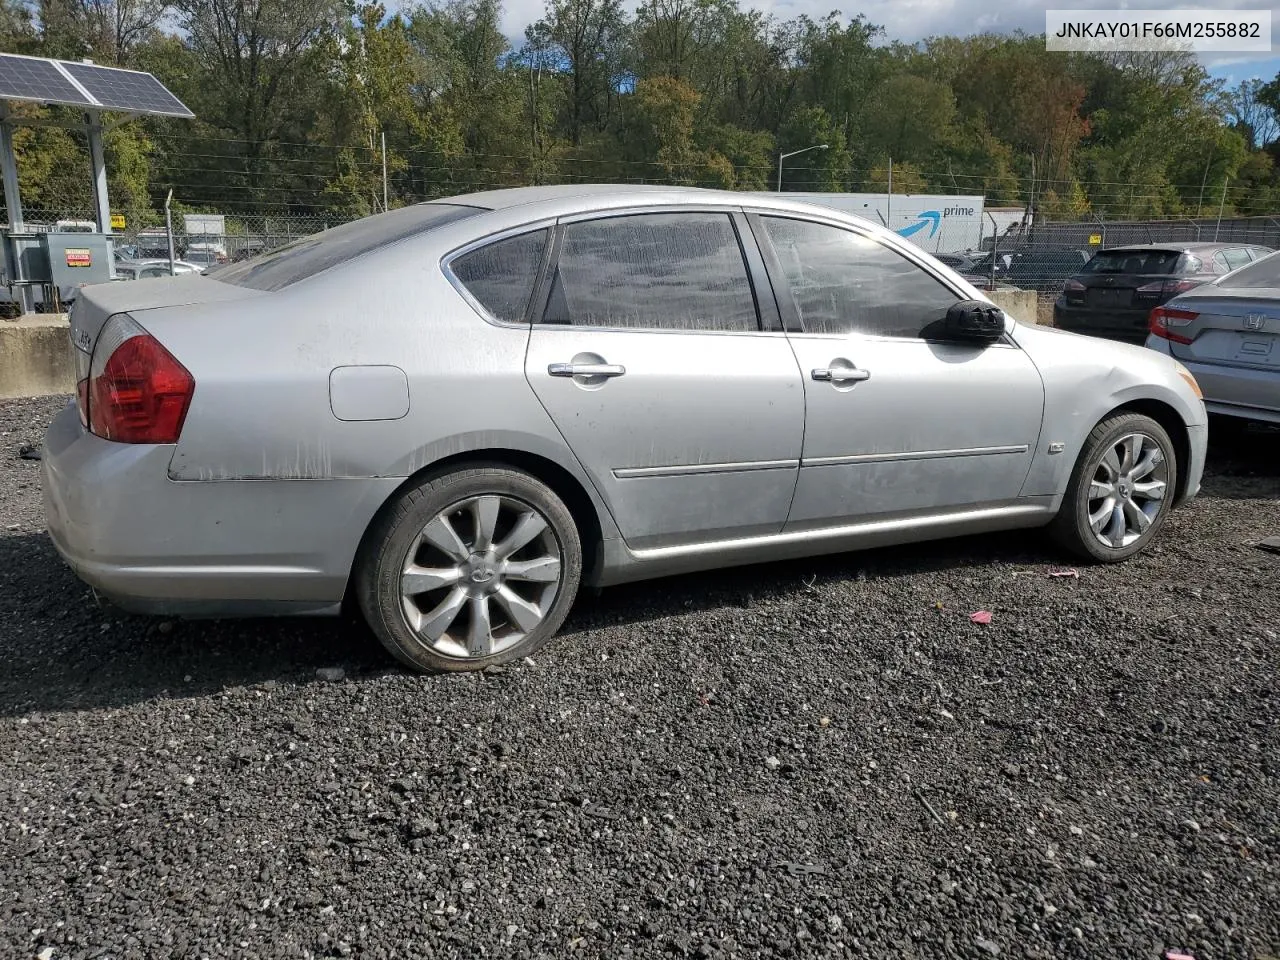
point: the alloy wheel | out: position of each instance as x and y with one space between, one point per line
1128 489
481 576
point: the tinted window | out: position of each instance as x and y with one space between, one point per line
843 282
501 275
1134 261
1260 273
665 271
309 256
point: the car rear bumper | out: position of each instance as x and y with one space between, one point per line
198 548
1129 325
1232 391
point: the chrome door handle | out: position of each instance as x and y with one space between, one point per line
586 369
840 374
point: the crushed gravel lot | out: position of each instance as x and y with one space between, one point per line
804 759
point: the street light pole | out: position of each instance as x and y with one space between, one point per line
793 153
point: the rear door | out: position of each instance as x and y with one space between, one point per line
651 358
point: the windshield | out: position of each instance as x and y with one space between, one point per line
283 266
1260 273
1134 261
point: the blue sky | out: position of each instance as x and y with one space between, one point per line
915 19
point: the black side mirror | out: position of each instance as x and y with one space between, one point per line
974 320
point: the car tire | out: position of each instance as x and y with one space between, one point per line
1111 510
498 559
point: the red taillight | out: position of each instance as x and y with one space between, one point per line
1073 286
1167 288
136 392
1162 319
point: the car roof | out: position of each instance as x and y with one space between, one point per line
1196 246
564 200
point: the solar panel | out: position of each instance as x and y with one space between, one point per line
127 90
86 85
29 78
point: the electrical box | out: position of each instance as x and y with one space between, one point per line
76 258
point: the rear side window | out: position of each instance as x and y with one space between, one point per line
501 275
1134 261
284 266
843 282
654 271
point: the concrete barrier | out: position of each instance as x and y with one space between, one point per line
1019 304
35 356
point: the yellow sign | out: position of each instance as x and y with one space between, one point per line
1095 239
79 257
117 221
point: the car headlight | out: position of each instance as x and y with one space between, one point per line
1188 376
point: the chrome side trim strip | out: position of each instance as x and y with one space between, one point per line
849 531
911 455
692 469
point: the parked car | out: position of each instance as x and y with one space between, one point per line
1117 290
986 271
960 262
1227 333
551 386
1044 271
144 269
207 254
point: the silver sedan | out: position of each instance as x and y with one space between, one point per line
548 387
1228 332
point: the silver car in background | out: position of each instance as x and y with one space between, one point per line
549 386
1227 332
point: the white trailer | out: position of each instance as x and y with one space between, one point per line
934 222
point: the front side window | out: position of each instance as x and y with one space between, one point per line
501 275
843 282
653 271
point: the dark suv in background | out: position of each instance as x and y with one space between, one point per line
1039 270
1116 291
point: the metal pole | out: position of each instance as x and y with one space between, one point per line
93 123
995 248
13 204
168 229
1225 181
385 208
794 153
888 200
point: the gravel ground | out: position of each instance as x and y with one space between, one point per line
793 760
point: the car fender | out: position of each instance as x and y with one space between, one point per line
1085 379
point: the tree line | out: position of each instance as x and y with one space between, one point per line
294 100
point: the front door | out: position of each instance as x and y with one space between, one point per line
897 424
651 360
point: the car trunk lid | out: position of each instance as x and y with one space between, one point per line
1235 328
98 302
